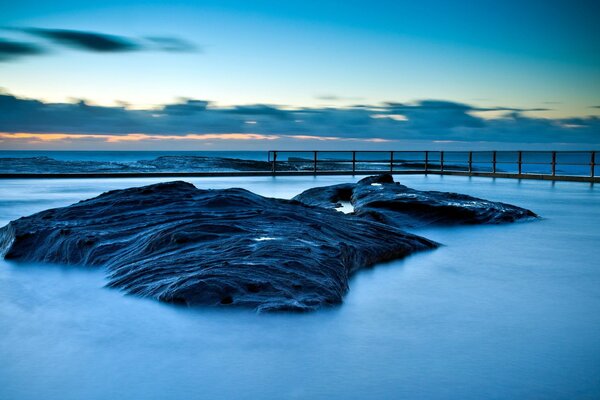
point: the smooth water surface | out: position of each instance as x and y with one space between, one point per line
499 312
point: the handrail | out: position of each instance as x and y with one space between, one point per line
575 165
446 163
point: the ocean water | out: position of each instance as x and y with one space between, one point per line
129 156
498 312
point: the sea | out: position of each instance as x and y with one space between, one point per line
498 312
128 156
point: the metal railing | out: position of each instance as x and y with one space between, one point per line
578 166
550 165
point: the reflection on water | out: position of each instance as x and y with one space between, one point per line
499 312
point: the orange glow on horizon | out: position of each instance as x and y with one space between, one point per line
134 137
138 137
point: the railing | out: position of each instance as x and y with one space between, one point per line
551 165
578 166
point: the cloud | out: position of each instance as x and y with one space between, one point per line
89 41
450 105
10 50
187 107
332 97
259 110
427 120
171 44
135 137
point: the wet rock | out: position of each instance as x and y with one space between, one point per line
179 244
327 196
381 199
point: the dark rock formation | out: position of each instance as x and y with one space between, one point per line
381 199
179 244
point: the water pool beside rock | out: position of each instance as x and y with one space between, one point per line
508 311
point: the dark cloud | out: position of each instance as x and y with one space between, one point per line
259 110
91 41
436 115
518 109
450 105
436 105
10 50
427 120
188 107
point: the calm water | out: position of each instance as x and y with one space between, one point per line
500 312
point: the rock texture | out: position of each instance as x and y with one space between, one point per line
179 244
381 199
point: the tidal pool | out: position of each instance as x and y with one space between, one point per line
499 312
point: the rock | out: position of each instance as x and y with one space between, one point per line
381 199
179 244
327 196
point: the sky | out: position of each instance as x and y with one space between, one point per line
236 75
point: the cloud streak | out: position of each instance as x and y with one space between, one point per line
171 44
88 41
11 50
427 120
133 137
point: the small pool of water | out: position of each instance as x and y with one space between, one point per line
498 312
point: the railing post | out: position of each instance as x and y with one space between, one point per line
520 162
391 161
553 163
494 162
426 161
274 161
315 162
441 161
353 162
470 162
593 164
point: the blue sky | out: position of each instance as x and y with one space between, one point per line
541 59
